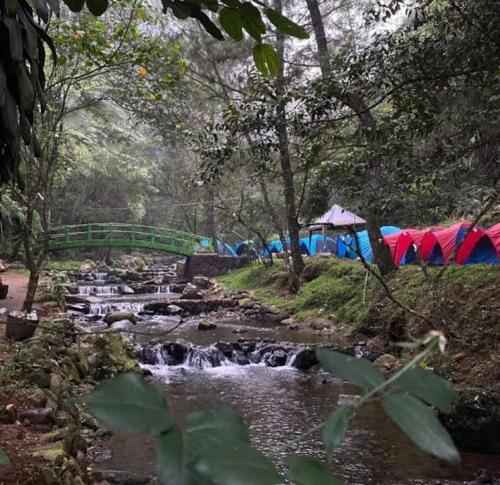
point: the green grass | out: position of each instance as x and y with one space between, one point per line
336 288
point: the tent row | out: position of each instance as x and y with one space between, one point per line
435 245
458 243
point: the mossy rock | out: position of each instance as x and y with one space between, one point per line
114 354
51 452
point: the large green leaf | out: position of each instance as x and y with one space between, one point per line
266 59
237 464
75 5
420 423
4 459
231 21
429 387
286 25
252 20
170 456
306 471
357 371
335 429
129 403
97 7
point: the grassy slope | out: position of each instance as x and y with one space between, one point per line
466 298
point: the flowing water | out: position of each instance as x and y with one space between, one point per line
254 372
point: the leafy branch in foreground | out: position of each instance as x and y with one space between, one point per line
4 459
214 446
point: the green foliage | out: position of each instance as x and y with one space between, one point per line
420 423
430 388
335 429
306 471
266 59
129 403
4 459
358 371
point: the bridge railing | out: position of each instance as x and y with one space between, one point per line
116 232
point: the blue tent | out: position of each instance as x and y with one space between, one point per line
347 245
223 249
318 244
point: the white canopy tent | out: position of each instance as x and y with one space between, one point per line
336 218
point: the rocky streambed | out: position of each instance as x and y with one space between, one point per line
203 347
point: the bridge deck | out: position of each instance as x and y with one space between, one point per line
126 236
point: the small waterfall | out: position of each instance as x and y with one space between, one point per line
164 289
98 290
105 308
228 354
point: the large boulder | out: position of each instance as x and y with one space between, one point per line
37 416
113 317
191 292
176 353
305 359
206 325
202 282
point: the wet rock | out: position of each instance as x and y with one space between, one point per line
386 362
225 347
176 353
118 477
191 292
148 355
320 324
474 423
305 359
37 416
126 290
206 325
121 315
114 280
122 325
277 358
241 359
174 309
104 455
202 282
37 398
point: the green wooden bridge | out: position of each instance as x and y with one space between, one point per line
135 236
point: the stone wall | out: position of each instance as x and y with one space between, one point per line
212 265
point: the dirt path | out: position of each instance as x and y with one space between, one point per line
18 285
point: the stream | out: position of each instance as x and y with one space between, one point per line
251 366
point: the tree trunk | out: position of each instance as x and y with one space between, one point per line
210 216
32 287
285 160
274 215
381 253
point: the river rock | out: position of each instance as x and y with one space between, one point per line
174 309
37 398
202 282
225 347
123 325
277 358
474 423
176 353
241 359
118 477
206 325
37 416
305 359
126 290
113 317
191 292
386 362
